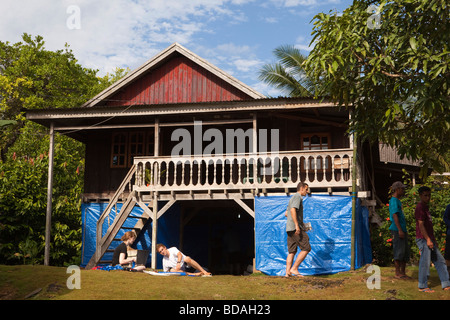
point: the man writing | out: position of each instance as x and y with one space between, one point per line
296 235
175 261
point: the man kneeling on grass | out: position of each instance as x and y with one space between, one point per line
175 261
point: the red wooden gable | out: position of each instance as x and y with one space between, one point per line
177 80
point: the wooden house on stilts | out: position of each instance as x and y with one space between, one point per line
185 154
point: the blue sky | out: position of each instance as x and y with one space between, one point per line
237 36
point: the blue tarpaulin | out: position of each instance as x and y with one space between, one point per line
168 230
330 237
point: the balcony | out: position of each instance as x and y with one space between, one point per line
256 173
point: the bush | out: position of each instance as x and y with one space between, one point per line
23 200
440 198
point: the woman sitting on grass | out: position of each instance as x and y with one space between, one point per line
120 253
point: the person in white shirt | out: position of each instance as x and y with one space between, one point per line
175 261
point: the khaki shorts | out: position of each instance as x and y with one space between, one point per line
298 240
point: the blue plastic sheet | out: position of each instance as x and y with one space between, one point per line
168 230
330 217
330 237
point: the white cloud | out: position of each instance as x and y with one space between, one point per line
294 3
302 44
239 61
304 3
267 90
234 35
271 20
115 32
246 65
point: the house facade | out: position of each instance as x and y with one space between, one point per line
179 134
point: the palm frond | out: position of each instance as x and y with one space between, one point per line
288 73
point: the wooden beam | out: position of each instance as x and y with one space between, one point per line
205 123
309 119
151 125
145 208
245 207
165 208
97 127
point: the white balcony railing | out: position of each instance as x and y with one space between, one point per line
321 168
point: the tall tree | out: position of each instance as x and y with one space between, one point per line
390 60
32 77
287 74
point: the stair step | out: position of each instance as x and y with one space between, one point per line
105 262
130 228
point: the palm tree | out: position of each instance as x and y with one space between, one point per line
288 74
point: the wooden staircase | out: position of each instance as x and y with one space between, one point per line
104 242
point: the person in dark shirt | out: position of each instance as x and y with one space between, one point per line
447 238
120 255
427 244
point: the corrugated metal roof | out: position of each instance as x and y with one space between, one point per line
390 155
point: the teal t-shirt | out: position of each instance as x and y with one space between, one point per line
395 206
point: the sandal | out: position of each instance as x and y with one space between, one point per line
296 275
446 288
427 290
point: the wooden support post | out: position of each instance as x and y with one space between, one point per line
48 218
354 194
156 139
154 229
182 213
255 136
155 199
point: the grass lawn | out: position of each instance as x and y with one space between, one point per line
49 283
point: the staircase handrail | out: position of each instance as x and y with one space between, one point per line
113 202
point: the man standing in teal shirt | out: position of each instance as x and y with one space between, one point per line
399 232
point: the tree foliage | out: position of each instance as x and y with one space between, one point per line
32 77
23 203
288 74
390 60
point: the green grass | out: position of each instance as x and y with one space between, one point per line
49 283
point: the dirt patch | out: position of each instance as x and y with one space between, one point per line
7 293
305 284
391 294
315 283
53 289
